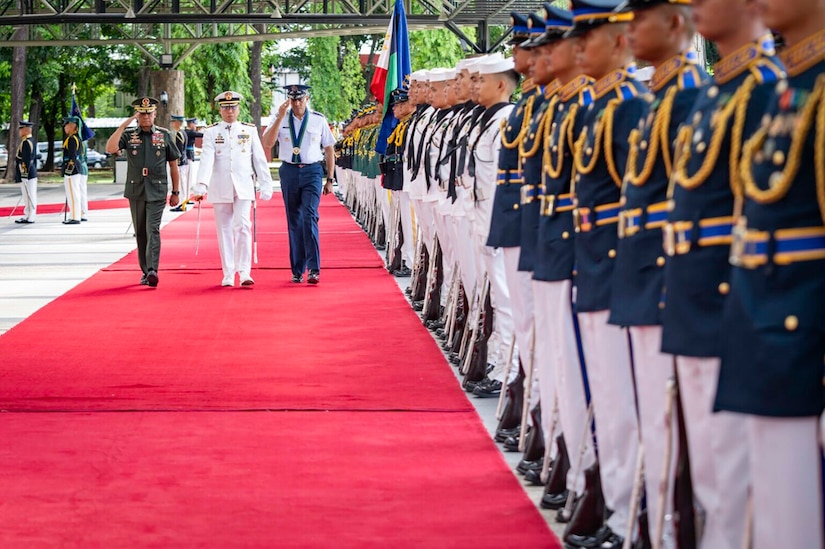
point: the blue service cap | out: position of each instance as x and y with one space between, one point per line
296 91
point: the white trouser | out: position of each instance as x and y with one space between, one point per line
73 197
234 236
607 355
652 370
718 455
382 196
543 358
465 252
445 240
786 484
499 343
84 195
408 247
29 189
558 337
521 299
424 215
183 175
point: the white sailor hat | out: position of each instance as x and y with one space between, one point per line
496 66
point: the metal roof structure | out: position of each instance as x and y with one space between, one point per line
194 22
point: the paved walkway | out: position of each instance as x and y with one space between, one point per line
42 261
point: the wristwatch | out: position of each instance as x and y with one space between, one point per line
175 193
330 180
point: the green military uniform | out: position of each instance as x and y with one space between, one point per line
147 152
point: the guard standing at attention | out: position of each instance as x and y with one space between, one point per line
304 141
181 141
149 150
72 174
25 172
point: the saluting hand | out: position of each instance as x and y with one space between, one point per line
283 108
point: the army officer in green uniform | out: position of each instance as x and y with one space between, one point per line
149 150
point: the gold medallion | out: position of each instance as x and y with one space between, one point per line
296 150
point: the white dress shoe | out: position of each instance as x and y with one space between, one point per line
247 281
228 281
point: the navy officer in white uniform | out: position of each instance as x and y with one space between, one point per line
231 161
304 141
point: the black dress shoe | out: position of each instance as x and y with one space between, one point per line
83 219
71 222
297 279
488 390
418 306
408 290
143 281
314 277
533 477
504 434
469 385
23 220
554 501
152 278
525 466
403 271
511 443
603 535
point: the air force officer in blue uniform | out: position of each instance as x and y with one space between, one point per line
304 140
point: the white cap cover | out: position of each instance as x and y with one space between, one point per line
496 66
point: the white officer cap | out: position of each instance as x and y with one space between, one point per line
451 74
418 76
496 66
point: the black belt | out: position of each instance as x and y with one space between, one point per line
300 165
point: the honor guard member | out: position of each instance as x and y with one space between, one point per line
600 153
25 172
774 323
661 34
181 141
83 167
505 224
72 170
496 79
150 151
305 141
232 161
553 269
697 240
192 134
392 170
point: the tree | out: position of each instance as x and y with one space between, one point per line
18 94
325 77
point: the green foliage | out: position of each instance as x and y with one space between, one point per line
325 77
434 48
211 69
353 81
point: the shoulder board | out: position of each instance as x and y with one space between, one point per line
250 124
212 125
316 112
161 129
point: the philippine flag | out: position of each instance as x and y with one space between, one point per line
392 70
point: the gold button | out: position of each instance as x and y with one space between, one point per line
713 91
778 158
643 145
700 147
515 206
611 254
775 179
791 323
661 304
660 261
509 128
781 87
565 235
589 150
724 288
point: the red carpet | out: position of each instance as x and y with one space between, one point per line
286 415
6 211
302 479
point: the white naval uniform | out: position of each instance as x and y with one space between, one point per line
485 149
231 161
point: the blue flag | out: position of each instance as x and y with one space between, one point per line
392 71
84 131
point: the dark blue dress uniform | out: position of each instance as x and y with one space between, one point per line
505 224
532 167
600 154
698 233
772 360
554 245
638 275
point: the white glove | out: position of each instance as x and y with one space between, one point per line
266 192
199 190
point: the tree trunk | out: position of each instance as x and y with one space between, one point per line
255 105
18 99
